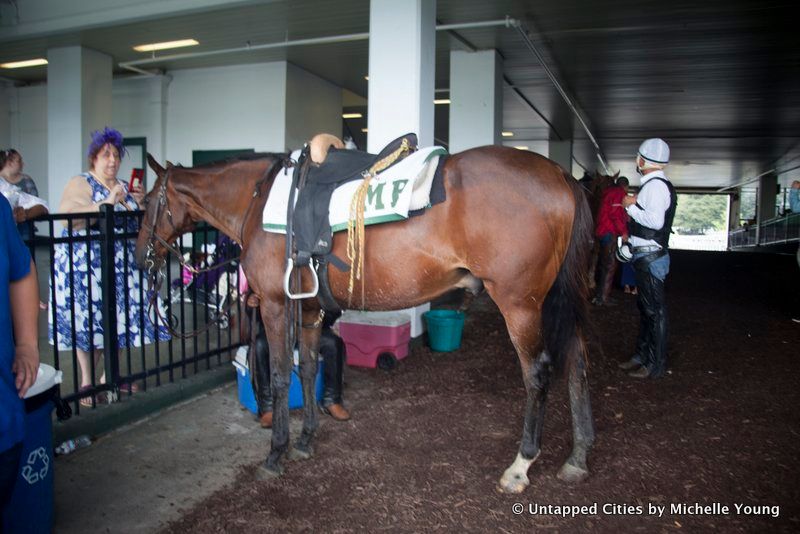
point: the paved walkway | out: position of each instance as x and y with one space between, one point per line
139 477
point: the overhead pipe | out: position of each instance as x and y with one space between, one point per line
246 48
508 22
523 32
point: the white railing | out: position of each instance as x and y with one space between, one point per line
775 231
709 241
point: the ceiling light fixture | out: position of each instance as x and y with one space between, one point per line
26 63
507 134
352 115
152 47
521 147
441 101
364 130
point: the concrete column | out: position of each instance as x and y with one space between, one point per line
313 106
733 210
78 102
402 48
8 96
476 99
159 99
767 193
402 54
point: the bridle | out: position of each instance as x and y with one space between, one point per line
155 270
162 207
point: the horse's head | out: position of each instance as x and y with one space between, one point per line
165 218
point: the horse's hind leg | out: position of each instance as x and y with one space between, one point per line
309 352
575 468
523 328
537 382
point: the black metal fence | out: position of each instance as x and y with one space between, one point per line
97 299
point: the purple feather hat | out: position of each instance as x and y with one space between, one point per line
106 136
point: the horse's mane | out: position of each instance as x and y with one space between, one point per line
244 157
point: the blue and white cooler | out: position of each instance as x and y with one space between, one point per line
247 396
30 509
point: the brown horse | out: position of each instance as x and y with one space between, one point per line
513 222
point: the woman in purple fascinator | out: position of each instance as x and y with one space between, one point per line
86 193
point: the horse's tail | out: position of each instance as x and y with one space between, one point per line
564 314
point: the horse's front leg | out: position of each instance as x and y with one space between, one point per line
309 354
272 314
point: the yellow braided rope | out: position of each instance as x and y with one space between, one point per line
355 223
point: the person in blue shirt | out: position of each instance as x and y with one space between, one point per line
794 197
794 205
19 351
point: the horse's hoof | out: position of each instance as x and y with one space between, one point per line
299 454
265 472
514 484
571 473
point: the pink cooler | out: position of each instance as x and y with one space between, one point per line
369 335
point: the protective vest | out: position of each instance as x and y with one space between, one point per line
660 236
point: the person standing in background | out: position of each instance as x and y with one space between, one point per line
652 211
794 197
76 284
794 205
12 179
612 222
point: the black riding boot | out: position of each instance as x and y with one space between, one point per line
259 369
331 347
653 329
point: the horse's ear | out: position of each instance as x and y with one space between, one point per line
170 164
158 169
616 176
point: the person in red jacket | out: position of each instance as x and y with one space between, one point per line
612 221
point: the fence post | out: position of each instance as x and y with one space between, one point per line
108 287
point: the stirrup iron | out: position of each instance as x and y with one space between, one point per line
287 276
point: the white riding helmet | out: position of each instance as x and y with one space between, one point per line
655 150
624 251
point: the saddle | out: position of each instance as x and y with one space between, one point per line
308 231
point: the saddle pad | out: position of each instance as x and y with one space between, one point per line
389 197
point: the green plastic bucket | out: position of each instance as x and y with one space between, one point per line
444 329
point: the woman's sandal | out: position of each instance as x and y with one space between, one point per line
129 388
99 398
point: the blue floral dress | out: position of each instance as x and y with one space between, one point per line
128 293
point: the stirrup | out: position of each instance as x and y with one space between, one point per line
287 276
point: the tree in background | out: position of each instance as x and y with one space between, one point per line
698 214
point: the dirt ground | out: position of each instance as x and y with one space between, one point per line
429 440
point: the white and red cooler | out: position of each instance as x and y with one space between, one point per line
370 335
